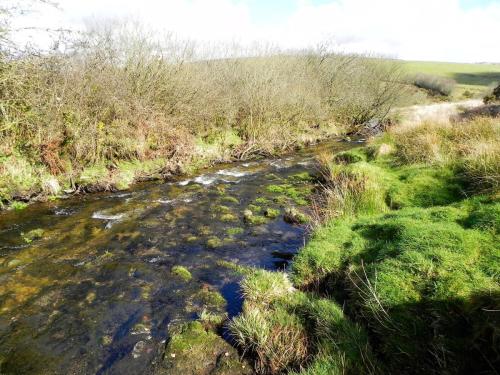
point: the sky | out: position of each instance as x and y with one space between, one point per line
434 30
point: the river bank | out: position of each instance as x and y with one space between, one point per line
402 269
23 182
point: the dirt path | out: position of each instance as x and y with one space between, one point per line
440 112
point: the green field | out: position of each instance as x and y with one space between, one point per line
475 78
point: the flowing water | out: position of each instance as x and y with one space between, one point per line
86 285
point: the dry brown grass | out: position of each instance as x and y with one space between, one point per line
473 146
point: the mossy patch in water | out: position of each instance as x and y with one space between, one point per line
181 272
14 263
234 231
214 242
272 176
212 320
220 189
262 200
228 218
32 235
210 299
271 213
298 195
294 216
301 177
223 209
204 230
91 296
252 219
230 199
19 288
18 206
254 208
196 350
106 340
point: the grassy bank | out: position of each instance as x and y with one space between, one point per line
121 104
401 274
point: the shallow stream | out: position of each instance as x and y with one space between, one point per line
86 285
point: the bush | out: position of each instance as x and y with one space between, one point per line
492 97
434 84
75 111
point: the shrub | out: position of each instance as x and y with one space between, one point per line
492 97
79 110
434 84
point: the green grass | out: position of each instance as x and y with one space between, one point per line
414 261
475 78
281 326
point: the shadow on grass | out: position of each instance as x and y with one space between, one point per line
490 110
459 336
479 79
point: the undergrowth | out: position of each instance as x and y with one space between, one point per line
122 104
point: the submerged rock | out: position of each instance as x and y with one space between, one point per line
195 350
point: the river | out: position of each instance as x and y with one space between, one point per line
83 280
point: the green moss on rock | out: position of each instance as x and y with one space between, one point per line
294 216
271 213
228 218
33 235
182 272
195 350
214 242
234 231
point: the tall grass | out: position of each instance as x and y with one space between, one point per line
118 92
473 147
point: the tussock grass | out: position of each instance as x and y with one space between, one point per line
287 327
472 146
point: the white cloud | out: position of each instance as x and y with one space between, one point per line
409 29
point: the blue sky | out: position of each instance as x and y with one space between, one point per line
442 30
265 11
